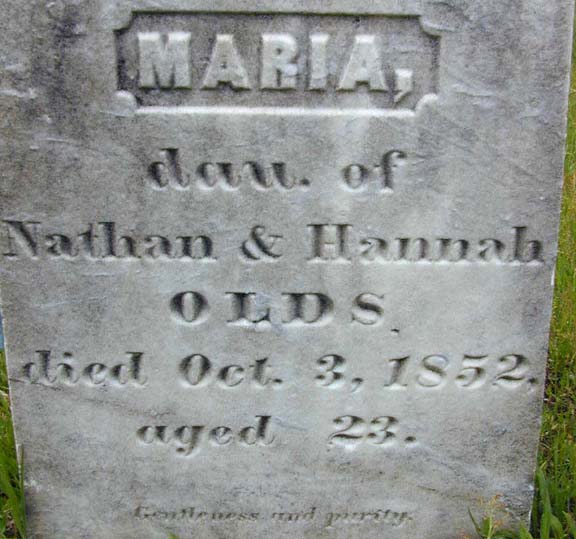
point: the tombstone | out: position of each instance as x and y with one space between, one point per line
279 269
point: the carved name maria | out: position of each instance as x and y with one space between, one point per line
165 62
298 60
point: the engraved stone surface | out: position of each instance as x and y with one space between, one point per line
278 269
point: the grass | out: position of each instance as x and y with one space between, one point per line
12 521
554 512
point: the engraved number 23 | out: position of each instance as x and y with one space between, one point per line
378 431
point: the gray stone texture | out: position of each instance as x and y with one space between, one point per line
278 269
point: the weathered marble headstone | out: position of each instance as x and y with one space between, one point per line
278 269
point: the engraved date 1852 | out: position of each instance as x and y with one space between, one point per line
435 371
